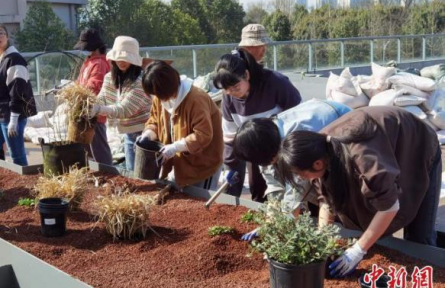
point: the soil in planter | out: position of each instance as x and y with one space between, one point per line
184 256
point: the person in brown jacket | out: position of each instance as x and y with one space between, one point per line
379 170
187 121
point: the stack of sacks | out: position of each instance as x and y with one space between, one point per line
346 89
54 128
436 114
378 82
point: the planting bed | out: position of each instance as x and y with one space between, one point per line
183 256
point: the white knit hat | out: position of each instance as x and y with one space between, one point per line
125 49
254 35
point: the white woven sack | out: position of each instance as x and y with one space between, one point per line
345 86
361 79
380 73
330 85
385 98
408 100
416 111
346 73
408 79
438 118
433 72
351 101
408 90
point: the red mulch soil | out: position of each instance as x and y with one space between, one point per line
184 255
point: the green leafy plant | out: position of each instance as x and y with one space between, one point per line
27 202
251 216
296 242
218 230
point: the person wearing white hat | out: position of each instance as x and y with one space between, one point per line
254 39
122 97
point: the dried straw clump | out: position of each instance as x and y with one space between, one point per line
125 215
71 186
80 100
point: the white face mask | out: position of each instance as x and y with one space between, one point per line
87 53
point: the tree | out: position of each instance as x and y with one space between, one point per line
278 26
195 9
256 13
43 30
226 17
115 17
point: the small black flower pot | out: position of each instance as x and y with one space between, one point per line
53 216
290 276
381 283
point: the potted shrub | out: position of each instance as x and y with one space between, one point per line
295 248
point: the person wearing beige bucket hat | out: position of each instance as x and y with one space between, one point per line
122 97
254 39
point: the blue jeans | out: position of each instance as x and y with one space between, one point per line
423 228
129 140
16 145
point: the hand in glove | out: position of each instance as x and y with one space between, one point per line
96 109
148 134
346 263
13 123
169 150
232 177
249 236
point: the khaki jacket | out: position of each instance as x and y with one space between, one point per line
198 120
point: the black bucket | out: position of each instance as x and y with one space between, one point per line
53 216
58 158
145 164
290 276
382 282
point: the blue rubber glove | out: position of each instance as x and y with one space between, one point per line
249 236
232 177
345 265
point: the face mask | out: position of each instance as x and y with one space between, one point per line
86 53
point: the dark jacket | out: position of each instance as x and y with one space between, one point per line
15 88
392 165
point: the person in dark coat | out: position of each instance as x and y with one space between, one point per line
379 170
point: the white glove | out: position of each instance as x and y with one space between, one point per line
96 109
169 150
12 126
147 134
346 263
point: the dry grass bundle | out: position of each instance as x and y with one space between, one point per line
125 215
81 124
71 186
80 100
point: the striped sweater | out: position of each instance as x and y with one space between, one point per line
132 105
15 88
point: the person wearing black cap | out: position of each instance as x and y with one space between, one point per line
91 76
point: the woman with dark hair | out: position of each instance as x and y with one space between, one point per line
122 97
91 76
16 99
378 168
188 122
250 91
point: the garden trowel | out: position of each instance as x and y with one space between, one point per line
232 179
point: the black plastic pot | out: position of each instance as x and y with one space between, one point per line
381 283
145 164
53 216
301 276
58 158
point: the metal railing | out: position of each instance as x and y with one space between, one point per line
296 55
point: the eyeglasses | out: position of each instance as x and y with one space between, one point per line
3 34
